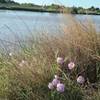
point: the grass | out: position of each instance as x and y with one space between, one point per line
29 80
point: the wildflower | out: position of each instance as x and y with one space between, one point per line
22 63
71 65
60 87
50 86
80 80
10 54
56 77
55 82
60 60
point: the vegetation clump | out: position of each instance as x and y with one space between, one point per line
64 67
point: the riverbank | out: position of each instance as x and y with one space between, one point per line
50 9
41 10
28 9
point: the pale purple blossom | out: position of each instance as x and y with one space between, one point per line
50 86
60 60
55 82
71 65
80 80
60 87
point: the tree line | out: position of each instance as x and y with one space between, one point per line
80 10
7 1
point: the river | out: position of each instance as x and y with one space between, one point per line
21 25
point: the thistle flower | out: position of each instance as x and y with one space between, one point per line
50 86
60 87
60 60
55 82
71 65
80 80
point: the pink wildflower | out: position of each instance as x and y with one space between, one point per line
55 82
60 60
80 80
71 65
60 87
50 86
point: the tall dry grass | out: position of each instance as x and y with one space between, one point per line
79 43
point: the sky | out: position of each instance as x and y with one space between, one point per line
69 3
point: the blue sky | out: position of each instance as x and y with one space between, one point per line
83 3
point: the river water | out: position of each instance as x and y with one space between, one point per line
20 24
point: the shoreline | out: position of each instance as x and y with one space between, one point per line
29 9
41 10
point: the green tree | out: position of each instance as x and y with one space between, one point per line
92 8
6 1
2 1
74 10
